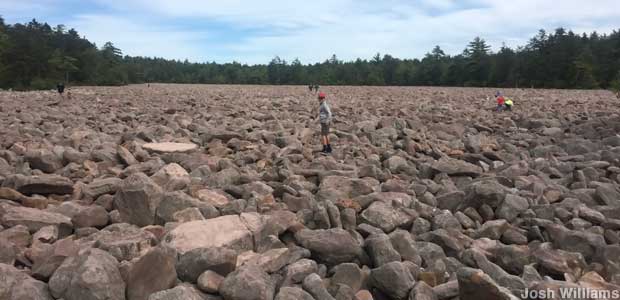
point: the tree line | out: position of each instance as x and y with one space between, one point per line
37 56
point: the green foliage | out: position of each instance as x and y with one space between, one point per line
36 56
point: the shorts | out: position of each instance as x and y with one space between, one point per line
324 128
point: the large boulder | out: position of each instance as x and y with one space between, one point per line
332 246
101 187
153 272
34 219
92 275
137 200
39 184
226 231
16 285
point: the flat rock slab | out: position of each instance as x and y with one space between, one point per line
227 231
169 147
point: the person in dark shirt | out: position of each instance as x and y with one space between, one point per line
61 88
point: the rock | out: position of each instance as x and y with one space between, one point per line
588 244
123 241
447 290
91 216
227 231
34 219
7 252
16 285
332 246
349 274
126 157
212 197
511 207
297 271
475 284
187 215
45 267
209 282
384 216
169 147
248 283
44 160
492 229
334 188
487 192
173 202
40 184
93 274
394 279
172 177
314 286
137 200
101 187
455 167
193 263
404 244
153 272
177 293
18 235
422 291
293 293
380 250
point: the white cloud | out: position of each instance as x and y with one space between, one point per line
137 38
313 30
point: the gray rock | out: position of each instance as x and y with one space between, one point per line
511 207
93 274
475 284
209 282
394 279
386 217
404 244
39 184
349 274
153 272
44 160
422 291
380 249
177 293
293 293
332 246
34 219
314 286
16 285
137 200
248 283
195 262
455 167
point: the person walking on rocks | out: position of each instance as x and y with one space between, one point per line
60 87
325 118
500 101
316 87
508 104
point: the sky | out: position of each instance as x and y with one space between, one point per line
254 32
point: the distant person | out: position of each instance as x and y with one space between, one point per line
508 104
325 118
500 101
316 87
310 87
60 87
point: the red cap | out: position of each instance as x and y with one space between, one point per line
321 95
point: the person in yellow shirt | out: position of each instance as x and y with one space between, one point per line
508 104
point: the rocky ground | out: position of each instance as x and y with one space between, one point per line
220 192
